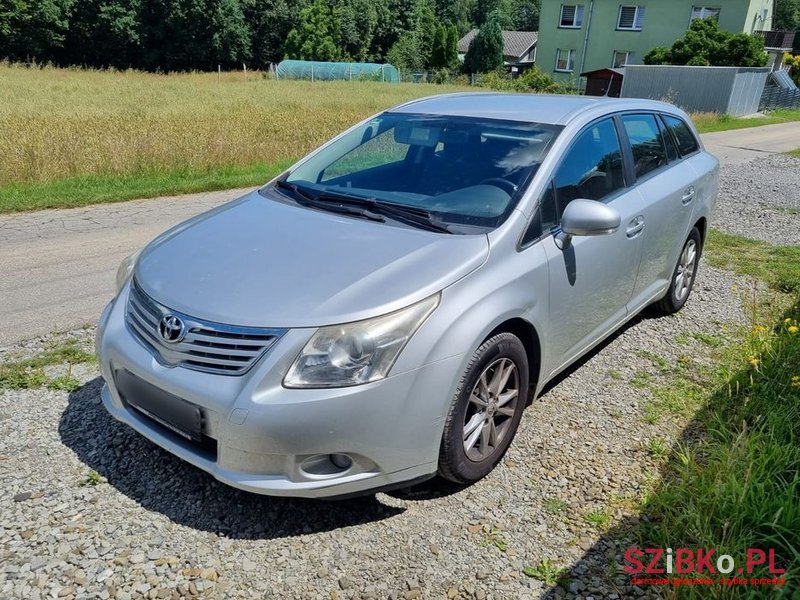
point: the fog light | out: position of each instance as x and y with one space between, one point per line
341 461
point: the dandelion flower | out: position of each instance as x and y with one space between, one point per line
796 381
793 329
754 360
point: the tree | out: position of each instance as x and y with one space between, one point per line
451 49
104 33
315 36
193 34
439 50
787 15
706 44
406 53
485 52
270 22
524 14
484 9
33 29
358 23
425 28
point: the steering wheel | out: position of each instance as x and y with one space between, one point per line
504 184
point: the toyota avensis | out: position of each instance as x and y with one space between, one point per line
383 311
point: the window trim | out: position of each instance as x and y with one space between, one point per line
575 17
638 8
627 58
572 55
703 7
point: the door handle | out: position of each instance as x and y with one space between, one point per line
635 227
688 195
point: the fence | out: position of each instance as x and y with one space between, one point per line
732 90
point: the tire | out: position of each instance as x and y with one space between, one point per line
479 428
680 287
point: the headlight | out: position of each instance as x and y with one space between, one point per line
125 269
356 353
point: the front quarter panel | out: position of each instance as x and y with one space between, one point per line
511 285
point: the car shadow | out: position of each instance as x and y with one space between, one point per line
161 482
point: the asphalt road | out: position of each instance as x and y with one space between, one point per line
57 266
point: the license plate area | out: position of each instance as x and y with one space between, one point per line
179 416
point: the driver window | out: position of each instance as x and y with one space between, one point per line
593 167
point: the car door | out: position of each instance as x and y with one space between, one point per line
591 279
666 184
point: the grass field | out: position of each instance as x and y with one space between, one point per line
711 122
70 137
73 137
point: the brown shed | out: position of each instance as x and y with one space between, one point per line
604 82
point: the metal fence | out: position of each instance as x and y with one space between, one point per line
732 90
775 97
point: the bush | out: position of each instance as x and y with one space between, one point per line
794 66
706 44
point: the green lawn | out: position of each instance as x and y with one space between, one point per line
732 481
711 122
93 189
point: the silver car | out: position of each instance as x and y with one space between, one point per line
383 311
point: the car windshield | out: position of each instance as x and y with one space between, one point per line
464 172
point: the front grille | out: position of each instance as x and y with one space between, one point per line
208 347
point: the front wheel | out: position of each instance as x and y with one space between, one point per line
683 276
485 411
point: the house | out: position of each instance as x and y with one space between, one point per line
519 47
577 36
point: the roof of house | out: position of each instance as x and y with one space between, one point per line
515 43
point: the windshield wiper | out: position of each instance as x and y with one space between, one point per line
409 214
305 198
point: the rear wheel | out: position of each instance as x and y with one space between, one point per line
485 411
683 276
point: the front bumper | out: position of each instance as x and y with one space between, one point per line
264 438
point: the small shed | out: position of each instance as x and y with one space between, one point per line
604 82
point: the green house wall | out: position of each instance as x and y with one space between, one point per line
664 22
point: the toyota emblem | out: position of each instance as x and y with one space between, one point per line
172 329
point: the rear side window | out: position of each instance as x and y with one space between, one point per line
649 153
669 143
687 143
592 169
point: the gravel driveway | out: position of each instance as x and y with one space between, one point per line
158 528
152 526
761 199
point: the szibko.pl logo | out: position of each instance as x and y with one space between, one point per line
659 566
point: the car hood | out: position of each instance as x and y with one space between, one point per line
266 263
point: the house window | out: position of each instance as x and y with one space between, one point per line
571 16
705 12
621 58
565 60
631 18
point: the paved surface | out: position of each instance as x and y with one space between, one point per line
57 266
743 145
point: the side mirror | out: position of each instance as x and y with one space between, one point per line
586 218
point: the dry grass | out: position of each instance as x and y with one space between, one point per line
56 124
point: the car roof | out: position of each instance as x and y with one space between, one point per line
534 108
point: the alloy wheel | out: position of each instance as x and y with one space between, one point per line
687 266
491 408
